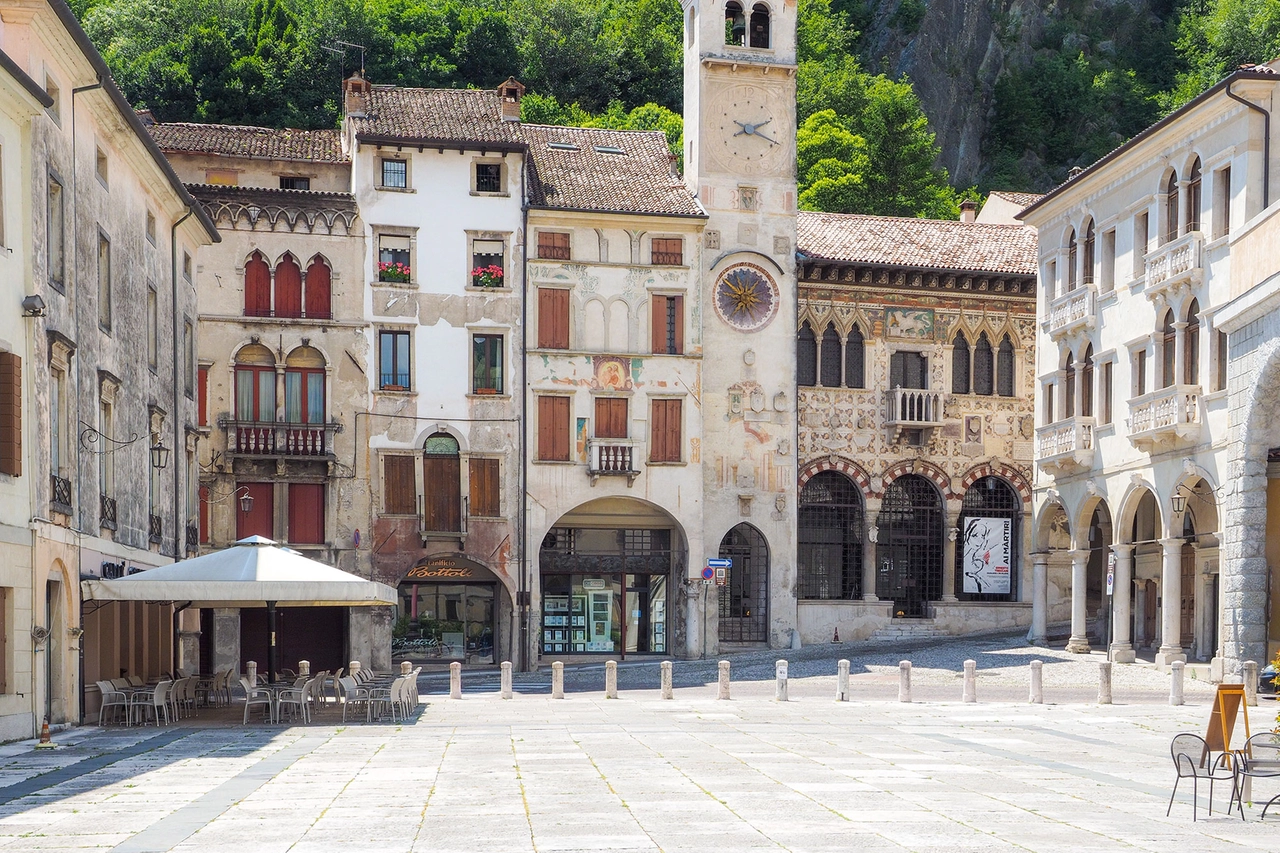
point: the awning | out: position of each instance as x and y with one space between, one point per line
249 574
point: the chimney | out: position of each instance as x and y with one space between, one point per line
968 210
510 93
1074 172
355 95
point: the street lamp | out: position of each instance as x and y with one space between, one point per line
159 455
246 501
1179 502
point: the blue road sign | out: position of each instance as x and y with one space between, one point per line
717 563
708 573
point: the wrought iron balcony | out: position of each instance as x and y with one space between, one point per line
1177 264
156 528
61 492
913 408
107 512
1074 311
611 457
1065 444
266 439
1165 417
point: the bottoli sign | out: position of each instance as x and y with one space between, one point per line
446 568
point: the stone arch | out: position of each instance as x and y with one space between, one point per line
431 429
925 469
995 468
1052 526
1129 504
848 467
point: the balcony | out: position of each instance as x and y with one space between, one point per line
1065 445
271 440
107 512
1175 265
611 457
1164 417
1074 311
913 408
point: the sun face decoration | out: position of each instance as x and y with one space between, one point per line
746 297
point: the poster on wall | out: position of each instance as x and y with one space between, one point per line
987 554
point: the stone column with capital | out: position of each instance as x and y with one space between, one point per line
1039 598
869 561
1171 604
1121 644
1079 642
949 558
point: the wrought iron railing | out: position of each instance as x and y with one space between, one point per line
61 490
107 511
156 528
193 538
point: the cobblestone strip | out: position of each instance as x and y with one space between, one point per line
44 781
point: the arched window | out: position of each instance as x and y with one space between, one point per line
855 353
319 296
983 366
257 287
1069 386
1072 251
744 598
304 386
1004 368
989 541
1171 208
1169 351
806 356
288 287
909 545
1193 197
1090 240
735 24
442 484
960 364
829 538
759 25
1086 383
831 357
1191 368
255 378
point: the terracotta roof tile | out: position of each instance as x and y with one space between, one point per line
624 171
263 143
442 115
923 243
1020 199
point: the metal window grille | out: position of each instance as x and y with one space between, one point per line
983 364
855 360
829 536
744 598
107 514
395 173
831 357
908 369
960 364
910 545
488 177
61 490
806 356
156 528
671 325
636 551
991 497
1004 368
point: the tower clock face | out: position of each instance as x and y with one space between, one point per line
748 128
746 297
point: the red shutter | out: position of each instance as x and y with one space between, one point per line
10 414
260 519
257 287
659 323
664 431
202 400
288 288
442 483
204 514
319 299
483 474
553 318
611 417
553 428
306 513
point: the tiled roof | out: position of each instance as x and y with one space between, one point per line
263 143
265 196
624 171
922 243
437 115
1020 199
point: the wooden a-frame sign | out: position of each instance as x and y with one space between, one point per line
1226 705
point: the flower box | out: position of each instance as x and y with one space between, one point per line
490 276
395 272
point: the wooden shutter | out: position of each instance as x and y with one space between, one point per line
442 483
668 318
319 296
667 251
553 245
659 323
611 417
664 440
10 414
553 318
204 513
257 287
288 288
553 428
483 474
306 513
202 399
399 491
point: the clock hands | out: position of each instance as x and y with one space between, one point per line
749 129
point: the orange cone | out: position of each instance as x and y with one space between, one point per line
45 741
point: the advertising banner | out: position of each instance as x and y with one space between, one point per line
988 551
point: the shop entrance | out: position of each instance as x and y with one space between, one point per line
447 608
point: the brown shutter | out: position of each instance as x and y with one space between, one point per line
483 474
553 318
10 414
399 491
553 428
611 417
442 483
204 514
679 324
306 513
659 323
202 402
665 431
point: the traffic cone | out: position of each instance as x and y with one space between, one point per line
45 741
836 638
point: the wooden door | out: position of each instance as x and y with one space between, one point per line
1188 596
442 483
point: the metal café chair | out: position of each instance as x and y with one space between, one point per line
1259 758
1192 759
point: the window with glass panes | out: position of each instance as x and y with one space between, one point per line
486 357
395 174
393 353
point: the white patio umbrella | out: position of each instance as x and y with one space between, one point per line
252 573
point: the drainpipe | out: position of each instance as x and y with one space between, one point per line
523 596
1266 143
178 446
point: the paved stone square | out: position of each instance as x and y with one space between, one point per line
642 774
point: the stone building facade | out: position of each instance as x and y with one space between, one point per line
915 364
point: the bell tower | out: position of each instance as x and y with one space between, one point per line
740 160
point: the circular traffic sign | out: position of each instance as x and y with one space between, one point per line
708 573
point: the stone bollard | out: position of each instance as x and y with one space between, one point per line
1175 683
455 680
304 668
406 667
611 679
842 681
780 681
724 680
904 681
1037 683
506 679
1250 683
353 667
1104 682
666 679
970 676
557 680
251 672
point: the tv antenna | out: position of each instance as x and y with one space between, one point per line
341 51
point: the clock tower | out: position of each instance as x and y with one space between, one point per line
740 161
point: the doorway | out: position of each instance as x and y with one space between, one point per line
744 597
909 549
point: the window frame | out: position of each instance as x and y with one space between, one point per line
383 173
478 260
104 281
295 179
395 335
501 164
550 250
667 319
56 272
380 232
661 253
550 326
494 369
484 466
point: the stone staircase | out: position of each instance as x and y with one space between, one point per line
908 631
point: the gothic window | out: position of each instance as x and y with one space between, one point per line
1086 383
1090 240
760 25
319 290
735 24
257 287
1191 368
1171 208
831 357
1069 387
983 364
1169 351
1072 250
288 287
854 360
960 364
1193 197
829 538
806 356
1004 368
